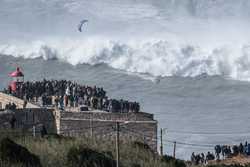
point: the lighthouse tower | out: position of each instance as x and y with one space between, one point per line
17 81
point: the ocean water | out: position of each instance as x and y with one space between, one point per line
186 61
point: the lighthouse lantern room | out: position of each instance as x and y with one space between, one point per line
17 80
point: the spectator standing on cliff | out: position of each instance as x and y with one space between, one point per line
217 151
193 158
209 157
67 94
235 150
43 131
245 147
197 159
203 161
241 148
61 103
9 89
25 103
12 122
56 101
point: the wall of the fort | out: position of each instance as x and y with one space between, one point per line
6 99
27 118
135 126
108 116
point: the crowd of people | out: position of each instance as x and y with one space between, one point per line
10 106
221 152
197 159
70 94
227 151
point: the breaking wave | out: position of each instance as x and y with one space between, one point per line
181 35
156 58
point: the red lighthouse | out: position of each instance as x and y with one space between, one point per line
17 80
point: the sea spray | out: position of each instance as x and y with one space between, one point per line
157 58
184 38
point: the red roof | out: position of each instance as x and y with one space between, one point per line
17 73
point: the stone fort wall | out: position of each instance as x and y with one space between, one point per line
6 99
99 124
134 126
26 119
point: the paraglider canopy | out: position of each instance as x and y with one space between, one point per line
17 73
81 24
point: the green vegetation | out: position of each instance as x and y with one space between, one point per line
58 151
16 154
82 156
172 161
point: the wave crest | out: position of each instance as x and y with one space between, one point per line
157 58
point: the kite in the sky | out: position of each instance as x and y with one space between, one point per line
81 25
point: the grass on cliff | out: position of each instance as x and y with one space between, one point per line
58 151
54 151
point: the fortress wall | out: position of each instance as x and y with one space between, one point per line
6 99
108 116
99 124
27 118
103 125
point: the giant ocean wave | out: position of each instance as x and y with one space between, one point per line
184 38
157 58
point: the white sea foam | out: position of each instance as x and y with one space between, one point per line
157 37
157 58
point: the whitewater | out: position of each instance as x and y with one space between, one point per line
160 38
186 61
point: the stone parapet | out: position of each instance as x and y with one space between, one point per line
134 126
102 115
26 119
6 99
